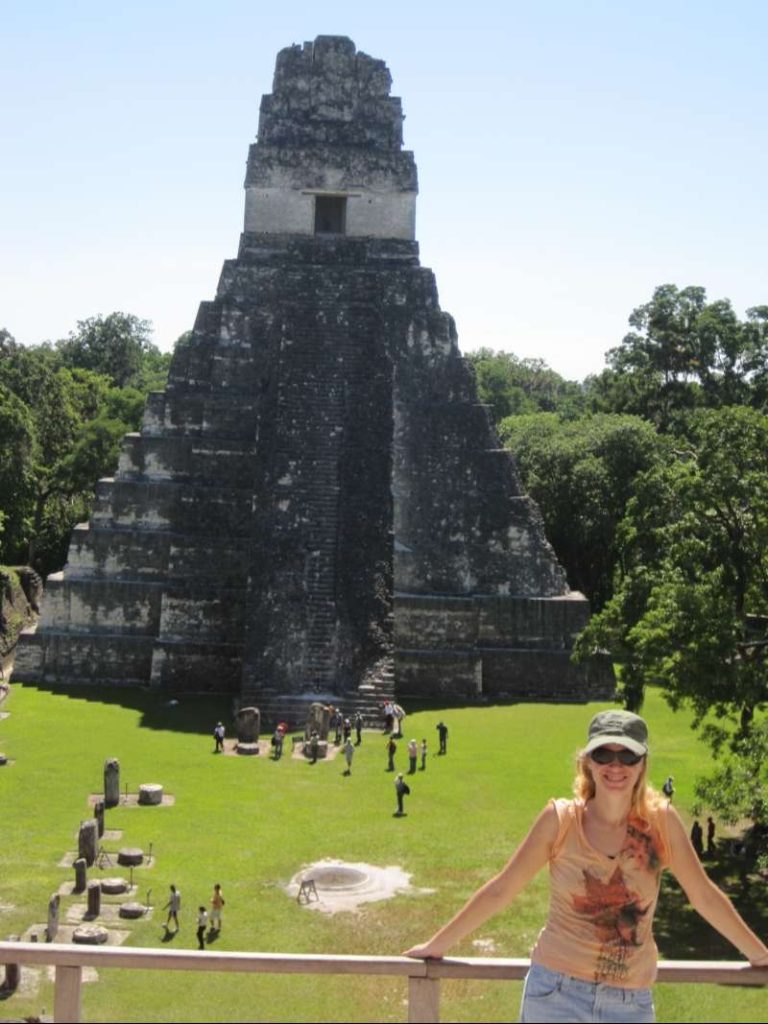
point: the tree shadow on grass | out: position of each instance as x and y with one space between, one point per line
197 713
682 935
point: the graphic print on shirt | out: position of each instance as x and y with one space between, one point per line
615 909
616 913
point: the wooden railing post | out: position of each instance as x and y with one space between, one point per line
66 995
423 1000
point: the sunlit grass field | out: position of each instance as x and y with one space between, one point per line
252 823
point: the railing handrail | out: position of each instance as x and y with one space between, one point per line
424 975
734 972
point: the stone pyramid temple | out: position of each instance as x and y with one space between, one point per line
317 504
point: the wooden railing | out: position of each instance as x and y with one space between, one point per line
423 976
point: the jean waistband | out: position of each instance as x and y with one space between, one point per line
566 983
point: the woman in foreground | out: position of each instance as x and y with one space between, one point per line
595 959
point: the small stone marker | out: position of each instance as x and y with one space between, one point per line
90 935
112 782
94 899
98 813
81 874
130 856
88 841
52 926
150 794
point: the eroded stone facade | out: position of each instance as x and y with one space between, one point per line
317 502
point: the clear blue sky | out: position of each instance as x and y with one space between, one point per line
571 155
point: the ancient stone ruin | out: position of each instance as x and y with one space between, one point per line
317 504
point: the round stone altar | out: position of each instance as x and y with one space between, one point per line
90 935
114 886
130 856
132 910
150 794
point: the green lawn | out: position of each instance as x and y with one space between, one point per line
251 824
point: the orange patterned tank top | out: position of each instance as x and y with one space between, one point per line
601 908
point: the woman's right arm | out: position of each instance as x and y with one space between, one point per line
529 858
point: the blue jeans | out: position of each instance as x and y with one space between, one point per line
553 998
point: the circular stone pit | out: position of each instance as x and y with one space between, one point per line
342 886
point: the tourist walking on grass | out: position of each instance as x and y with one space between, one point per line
423 755
391 751
349 753
413 756
442 732
402 789
217 906
173 906
358 729
595 959
218 738
202 924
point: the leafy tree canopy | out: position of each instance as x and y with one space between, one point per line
581 473
691 609
684 353
513 386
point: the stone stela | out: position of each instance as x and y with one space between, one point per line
317 505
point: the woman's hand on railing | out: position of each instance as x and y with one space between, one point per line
425 951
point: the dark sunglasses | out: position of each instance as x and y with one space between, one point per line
604 755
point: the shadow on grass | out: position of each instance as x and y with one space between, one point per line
195 713
682 935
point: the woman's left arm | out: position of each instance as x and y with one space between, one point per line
705 897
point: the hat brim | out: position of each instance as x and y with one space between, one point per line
624 741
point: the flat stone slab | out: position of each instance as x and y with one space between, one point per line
150 794
131 800
232 749
130 856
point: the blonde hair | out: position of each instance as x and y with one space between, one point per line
645 799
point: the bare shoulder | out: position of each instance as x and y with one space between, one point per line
546 826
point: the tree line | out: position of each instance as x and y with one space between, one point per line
652 479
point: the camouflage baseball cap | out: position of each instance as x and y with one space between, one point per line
618 727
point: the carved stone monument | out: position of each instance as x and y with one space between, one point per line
98 814
81 874
112 782
52 926
94 900
318 720
88 841
248 725
318 503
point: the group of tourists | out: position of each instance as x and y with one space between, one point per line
205 921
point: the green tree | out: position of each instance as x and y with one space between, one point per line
512 386
581 474
117 346
691 610
684 353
